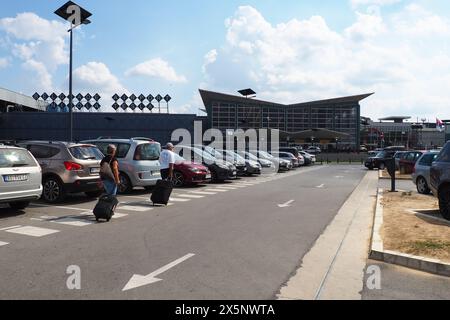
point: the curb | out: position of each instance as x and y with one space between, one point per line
380 176
377 251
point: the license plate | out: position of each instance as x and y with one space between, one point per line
95 170
156 173
208 176
15 178
234 173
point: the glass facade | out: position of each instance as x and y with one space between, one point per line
338 117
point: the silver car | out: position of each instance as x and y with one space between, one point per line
21 177
421 174
67 168
138 161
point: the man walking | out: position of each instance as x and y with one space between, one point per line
167 162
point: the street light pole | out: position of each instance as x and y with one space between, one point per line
70 85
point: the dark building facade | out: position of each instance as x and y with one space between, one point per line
340 115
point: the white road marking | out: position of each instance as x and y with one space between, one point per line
228 188
59 207
7 228
287 204
339 177
216 190
74 222
136 208
321 186
33 231
119 215
204 193
139 281
3 243
190 196
179 200
136 197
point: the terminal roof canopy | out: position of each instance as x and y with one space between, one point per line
317 134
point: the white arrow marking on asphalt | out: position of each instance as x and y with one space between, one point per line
139 281
321 186
339 177
286 205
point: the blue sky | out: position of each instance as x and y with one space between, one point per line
286 50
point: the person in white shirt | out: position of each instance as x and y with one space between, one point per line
167 162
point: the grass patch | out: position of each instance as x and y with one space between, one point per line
430 245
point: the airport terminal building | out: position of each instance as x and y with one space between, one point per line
318 122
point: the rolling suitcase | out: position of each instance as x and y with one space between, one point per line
161 193
105 208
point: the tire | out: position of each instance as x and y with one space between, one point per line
178 179
444 202
422 186
125 184
94 194
53 190
19 205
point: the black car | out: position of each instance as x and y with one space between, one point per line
379 161
440 180
220 170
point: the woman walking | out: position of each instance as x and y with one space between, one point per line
109 171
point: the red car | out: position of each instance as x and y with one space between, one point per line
408 161
188 173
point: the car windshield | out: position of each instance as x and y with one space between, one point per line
213 152
179 158
14 158
147 152
205 155
235 156
86 153
381 154
265 155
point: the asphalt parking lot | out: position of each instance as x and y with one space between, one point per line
237 240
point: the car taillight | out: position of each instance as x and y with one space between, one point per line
72 166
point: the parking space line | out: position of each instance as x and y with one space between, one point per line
72 221
135 197
33 231
3 243
179 200
191 196
228 188
135 208
59 207
204 193
7 228
216 190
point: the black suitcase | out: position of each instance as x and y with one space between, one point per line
161 193
105 208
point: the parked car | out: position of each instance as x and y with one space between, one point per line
252 167
363 148
265 164
21 177
408 161
189 173
281 164
289 157
421 172
398 156
379 161
440 180
67 168
314 150
238 162
309 158
220 170
138 161
296 152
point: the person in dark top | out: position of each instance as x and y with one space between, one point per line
110 179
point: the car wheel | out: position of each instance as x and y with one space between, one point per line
94 194
178 179
125 184
53 190
19 205
444 202
422 186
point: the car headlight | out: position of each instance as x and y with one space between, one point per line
195 170
222 166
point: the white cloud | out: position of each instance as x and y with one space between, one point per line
96 76
156 68
301 60
43 80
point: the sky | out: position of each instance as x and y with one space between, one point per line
288 51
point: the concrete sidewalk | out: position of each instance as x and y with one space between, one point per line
334 267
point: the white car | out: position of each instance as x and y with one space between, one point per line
20 177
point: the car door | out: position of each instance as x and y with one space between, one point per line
42 155
440 168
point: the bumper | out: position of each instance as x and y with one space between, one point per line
198 178
28 195
147 180
253 170
84 186
241 170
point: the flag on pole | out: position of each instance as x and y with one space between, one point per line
440 125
